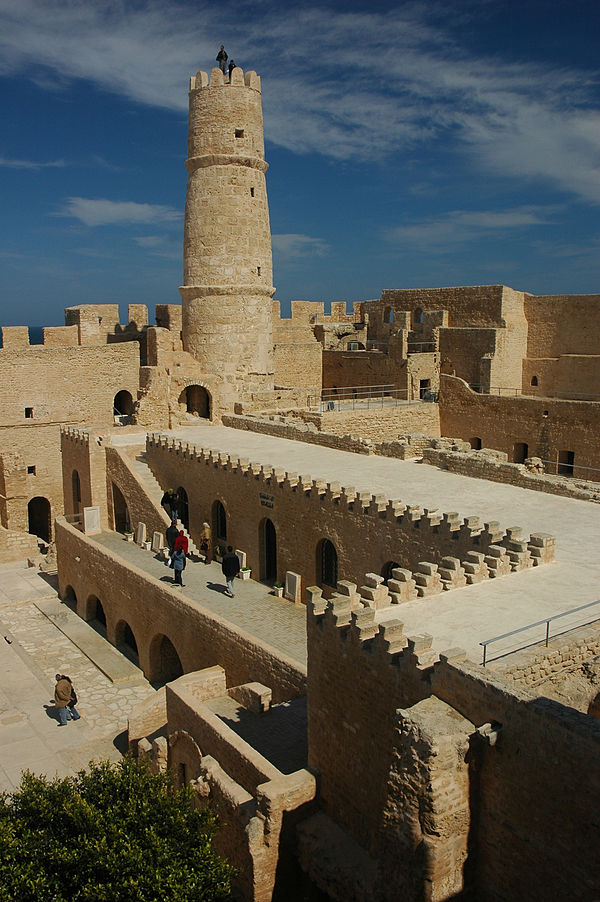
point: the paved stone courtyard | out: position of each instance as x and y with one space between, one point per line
32 650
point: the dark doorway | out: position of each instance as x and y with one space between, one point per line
125 642
268 551
120 510
197 401
520 452
76 484
424 389
386 570
328 563
123 404
475 443
219 524
38 514
182 507
566 461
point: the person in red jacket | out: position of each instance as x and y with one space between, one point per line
181 542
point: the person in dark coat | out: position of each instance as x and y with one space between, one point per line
230 567
231 68
171 537
222 59
169 501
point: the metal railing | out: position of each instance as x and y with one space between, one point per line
365 397
421 347
570 470
501 391
546 623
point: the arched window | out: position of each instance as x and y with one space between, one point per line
219 521
327 563
388 316
534 380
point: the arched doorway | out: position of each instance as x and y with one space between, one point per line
197 401
94 614
267 540
327 563
219 521
70 598
125 641
387 569
121 518
123 404
182 507
38 515
165 664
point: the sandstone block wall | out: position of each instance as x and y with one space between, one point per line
546 425
82 454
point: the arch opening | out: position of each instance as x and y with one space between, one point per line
219 524
182 506
123 404
165 664
38 517
95 615
122 521
387 569
125 642
197 401
327 563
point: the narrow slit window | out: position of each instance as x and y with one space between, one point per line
251 192
258 270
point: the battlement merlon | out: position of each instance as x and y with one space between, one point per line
201 80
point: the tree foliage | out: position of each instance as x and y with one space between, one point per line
113 833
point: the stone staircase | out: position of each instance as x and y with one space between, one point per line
153 490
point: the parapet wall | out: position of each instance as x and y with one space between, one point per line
369 532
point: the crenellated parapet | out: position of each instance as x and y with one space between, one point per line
216 79
448 552
75 436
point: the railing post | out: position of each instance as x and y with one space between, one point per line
547 632
484 654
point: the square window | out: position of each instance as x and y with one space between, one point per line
239 132
31 470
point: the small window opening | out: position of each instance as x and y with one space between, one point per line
475 443
258 270
29 413
534 380
239 132
251 192
31 470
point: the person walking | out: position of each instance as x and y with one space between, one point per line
169 502
178 560
222 60
230 567
62 697
171 537
73 712
206 543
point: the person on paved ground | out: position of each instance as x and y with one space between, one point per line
171 536
181 542
230 567
206 543
74 713
62 697
231 68
222 60
178 560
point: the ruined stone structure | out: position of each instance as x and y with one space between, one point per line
414 772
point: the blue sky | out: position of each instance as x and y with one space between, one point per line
410 145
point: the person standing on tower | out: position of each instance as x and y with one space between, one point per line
222 60
231 68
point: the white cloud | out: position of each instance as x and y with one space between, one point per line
98 211
31 164
349 85
293 246
460 226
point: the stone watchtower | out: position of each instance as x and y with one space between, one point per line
227 264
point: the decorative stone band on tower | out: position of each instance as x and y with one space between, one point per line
227 264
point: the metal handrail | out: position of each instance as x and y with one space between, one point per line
532 392
529 626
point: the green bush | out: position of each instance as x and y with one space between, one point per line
114 832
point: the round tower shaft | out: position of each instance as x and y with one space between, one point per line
227 264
